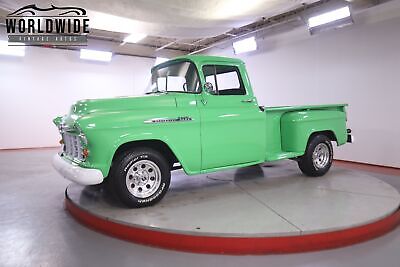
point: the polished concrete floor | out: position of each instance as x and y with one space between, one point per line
35 230
256 201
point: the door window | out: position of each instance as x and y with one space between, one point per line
225 79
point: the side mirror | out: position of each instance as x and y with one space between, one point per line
209 88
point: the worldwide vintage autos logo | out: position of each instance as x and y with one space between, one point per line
31 25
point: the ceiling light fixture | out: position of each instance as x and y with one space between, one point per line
96 55
245 45
160 60
8 49
134 37
333 19
107 22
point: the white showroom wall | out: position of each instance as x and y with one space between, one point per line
358 65
43 84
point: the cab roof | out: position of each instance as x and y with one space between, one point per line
201 58
198 59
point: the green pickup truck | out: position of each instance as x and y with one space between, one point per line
199 114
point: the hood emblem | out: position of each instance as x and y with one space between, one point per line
163 120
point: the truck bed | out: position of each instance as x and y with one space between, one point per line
283 126
308 107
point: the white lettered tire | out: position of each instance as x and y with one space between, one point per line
140 178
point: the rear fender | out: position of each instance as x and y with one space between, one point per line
298 126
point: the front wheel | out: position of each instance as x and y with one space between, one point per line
317 159
140 178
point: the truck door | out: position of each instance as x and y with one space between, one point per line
232 125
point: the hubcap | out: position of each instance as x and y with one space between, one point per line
143 178
321 156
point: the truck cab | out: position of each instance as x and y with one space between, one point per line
199 113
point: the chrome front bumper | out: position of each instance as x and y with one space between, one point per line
73 172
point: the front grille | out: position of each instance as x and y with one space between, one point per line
73 146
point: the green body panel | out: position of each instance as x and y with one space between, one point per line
222 132
106 129
289 128
228 124
296 127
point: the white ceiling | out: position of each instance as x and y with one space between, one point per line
176 27
176 18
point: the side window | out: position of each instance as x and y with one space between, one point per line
211 79
225 79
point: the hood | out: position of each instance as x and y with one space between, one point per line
84 107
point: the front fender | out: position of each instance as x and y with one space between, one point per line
146 136
103 144
107 131
57 121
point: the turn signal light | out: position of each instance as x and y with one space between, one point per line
85 152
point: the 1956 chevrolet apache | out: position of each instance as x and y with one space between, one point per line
199 114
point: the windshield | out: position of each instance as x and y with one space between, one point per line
178 77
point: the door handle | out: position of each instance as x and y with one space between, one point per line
248 100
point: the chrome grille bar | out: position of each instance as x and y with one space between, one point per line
73 146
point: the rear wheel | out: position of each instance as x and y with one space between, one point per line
317 159
140 178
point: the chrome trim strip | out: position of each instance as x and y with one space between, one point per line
163 120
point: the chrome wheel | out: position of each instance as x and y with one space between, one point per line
321 156
143 178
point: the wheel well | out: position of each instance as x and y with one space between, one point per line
157 145
330 134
